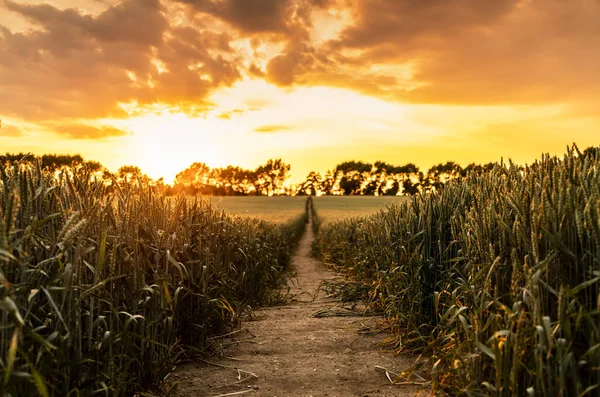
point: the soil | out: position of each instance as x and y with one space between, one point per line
286 351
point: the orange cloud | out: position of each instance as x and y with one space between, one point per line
82 131
82 66
272 128
76 65
249 16
463 52
10 131
228 115
473 52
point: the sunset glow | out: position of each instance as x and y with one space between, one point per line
163 84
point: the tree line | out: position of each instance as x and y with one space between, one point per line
352 178
265 180
347 178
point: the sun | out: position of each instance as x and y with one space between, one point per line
165 144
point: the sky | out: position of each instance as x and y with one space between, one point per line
164 83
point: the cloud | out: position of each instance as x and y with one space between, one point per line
177 53
272 128
10 131
403 22
463 52
249 16
83 66
472 52
229 115
83 131
139 21
541 52
255 71
270 22
280 69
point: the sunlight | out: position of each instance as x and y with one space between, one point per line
329 23
165 144
307 108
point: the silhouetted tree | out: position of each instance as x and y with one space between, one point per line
233 180
193 179
311 186
393 178
477 168
55 161
441 173
271 177
51 162
351 176
360 178
131 173
591 152
327 183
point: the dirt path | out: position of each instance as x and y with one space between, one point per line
285 351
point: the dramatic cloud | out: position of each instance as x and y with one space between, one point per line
257 16
177 52
404 22
217 68
476 52
250 16
80 66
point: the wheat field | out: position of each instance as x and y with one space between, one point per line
494 280
104 288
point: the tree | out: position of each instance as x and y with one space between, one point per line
591 152
387 179
54 161
477 168
194 178
441 173
327 183
311 186
409 178
381 180
233 180
93 166
352 175
51 162
271 177
130 173
409 187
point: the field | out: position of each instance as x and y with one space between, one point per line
276 209
281 209
105 288
331 208
495 279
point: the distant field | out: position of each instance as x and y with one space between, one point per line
281 209
331 208
277 209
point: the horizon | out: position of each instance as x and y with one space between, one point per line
163 84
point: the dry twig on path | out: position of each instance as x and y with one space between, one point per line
236 393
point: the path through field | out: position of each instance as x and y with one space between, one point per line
285 351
